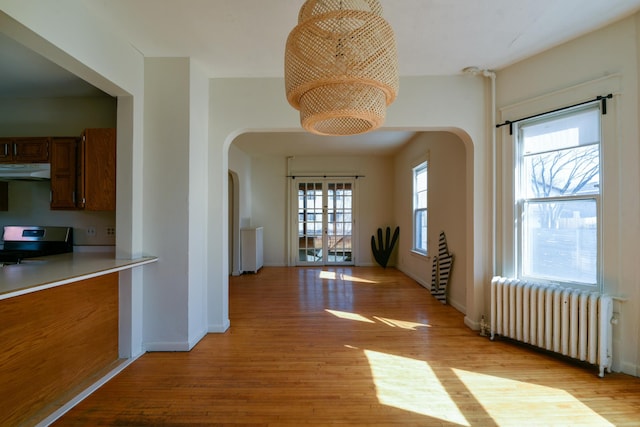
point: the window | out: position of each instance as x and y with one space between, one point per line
420 208
558 196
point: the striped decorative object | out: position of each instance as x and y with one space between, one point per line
441 270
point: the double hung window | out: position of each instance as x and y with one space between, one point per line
558 196
420 208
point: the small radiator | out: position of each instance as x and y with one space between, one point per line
573 323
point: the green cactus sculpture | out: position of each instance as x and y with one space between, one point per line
382 251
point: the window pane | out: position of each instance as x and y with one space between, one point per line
421 179
420 238
421 200
563 172
562 131
560 240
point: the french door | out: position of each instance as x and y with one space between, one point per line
324 222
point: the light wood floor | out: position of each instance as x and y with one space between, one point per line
354 346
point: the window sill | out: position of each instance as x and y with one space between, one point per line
420 254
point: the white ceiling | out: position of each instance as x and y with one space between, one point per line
246 38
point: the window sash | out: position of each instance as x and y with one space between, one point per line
560 243
558 226
420 191
420 230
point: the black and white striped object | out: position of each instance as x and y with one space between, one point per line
441 270
434 275
443 250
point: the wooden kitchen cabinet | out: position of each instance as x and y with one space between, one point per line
4 196
63 173
24 150
96 170
83 171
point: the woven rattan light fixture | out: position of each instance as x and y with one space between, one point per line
341 67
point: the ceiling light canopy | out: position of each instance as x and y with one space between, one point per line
341 68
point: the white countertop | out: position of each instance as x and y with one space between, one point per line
42 273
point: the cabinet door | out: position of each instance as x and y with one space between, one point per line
97 179
6 150
31 150
63 173
4 196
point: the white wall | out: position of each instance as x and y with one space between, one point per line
55 116
599 63
198 190
175 159
447 189
268 205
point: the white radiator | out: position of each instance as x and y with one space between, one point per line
573 323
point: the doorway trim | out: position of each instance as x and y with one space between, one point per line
234 223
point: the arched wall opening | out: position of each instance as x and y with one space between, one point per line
264 159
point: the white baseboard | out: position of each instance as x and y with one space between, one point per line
167 346
427 285
417 279
472 324
217 328
178 345
630 369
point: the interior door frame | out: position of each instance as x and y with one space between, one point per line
293 218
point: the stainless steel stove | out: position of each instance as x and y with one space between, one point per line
23 242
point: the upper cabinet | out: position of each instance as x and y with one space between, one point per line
24 150
63 173
96 170
83 171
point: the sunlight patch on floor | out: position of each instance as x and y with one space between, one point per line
501 398
411 385
328 275
401 323
349 316
332 275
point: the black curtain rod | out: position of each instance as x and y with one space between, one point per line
325 176
602 99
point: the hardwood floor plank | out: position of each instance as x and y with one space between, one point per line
353 346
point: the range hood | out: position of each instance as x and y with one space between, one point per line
25 171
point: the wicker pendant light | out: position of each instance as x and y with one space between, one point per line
341 67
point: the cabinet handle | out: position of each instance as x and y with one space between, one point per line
15 149
6 150
73 197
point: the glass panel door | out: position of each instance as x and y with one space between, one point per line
325 223
339 223
310 219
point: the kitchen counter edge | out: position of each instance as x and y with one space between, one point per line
58 270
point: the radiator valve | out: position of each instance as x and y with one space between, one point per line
484 327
